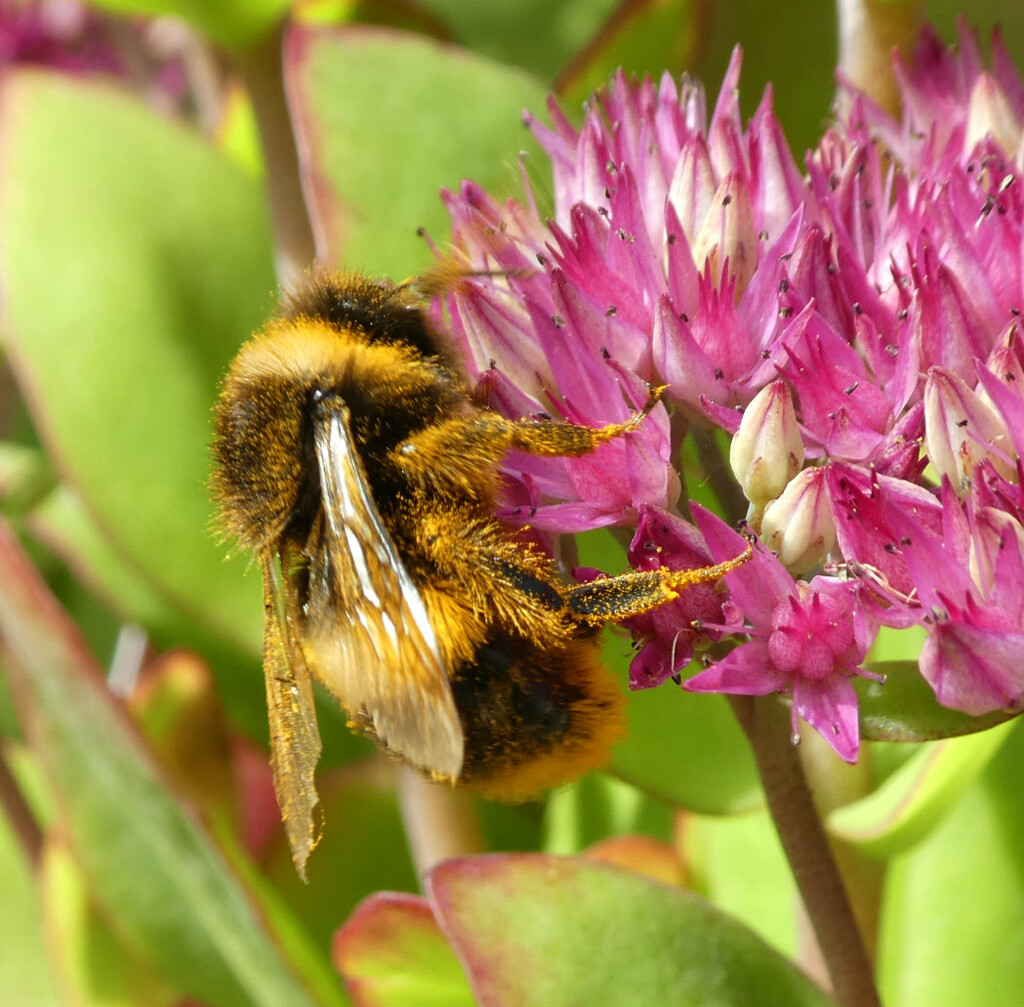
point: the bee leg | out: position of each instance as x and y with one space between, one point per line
569 439
456 451
615 598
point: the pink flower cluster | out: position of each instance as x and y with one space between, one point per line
853 325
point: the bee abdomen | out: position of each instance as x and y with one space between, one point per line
535 718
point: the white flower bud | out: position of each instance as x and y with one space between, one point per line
767 450
799 526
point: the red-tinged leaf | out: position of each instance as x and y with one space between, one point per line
161 883
383 121
587 933
645 855
392 954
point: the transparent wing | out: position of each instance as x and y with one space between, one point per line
371 636
294 737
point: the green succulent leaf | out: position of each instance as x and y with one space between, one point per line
587 932
234 23
157 266
911 801
903 707
384 120
148 863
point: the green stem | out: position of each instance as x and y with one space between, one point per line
733 505
767 725
262 69
19 815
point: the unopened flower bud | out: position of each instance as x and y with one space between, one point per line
961 429
799 526
767 450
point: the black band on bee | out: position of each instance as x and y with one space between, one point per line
379 311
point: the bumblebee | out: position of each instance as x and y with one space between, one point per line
354 462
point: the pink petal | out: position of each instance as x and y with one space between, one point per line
830 707
747 671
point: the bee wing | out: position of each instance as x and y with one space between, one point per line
294 737
366 621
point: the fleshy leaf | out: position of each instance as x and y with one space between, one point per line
120 332
231 22
915 797
687 749
25 973
904 708
392 954
383 121
953 909
139 851
592 933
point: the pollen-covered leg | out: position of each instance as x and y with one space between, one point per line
569 440
461 452
629 594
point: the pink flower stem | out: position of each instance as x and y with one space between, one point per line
767 725
440 821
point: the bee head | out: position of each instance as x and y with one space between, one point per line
266 475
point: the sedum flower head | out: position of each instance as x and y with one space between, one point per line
851 321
